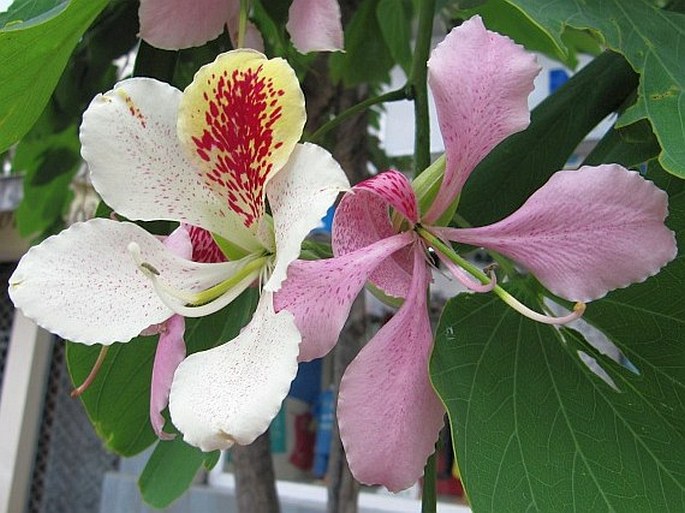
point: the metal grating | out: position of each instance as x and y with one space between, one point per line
70 459
6 315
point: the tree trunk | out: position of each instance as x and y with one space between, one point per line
254 477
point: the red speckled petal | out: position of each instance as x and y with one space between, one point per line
320 292
299 196
231 393
315 25
138 166
480 81
388 413
240 119
171 350
584 232
362 218
176 24
205 249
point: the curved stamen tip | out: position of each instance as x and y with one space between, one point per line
577 313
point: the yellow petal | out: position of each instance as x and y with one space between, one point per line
240 119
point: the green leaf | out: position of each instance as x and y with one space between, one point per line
170 471
212 330
629 146
367 57
505 18
32 57
651 40
525 161
49 162
394 20
117 403
535 430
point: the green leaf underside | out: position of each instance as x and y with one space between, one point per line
652 40
22 12
117 403
32 57
170 469
535 430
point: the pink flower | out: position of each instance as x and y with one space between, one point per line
314 25
582 234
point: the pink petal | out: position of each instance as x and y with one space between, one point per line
319 293
180 242
315 25
176 24
362 219
584 232
388 413
480 81
171 350
396 190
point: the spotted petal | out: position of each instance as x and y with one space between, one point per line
315 25
84 285
176 24
388 413
362 218
240 119
299 196
320 292
480 81
138 166
230 394
584 232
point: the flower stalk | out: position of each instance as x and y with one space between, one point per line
78 391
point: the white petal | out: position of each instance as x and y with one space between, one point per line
300 195
138 166
84 286
230 394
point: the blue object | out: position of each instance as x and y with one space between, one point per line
324 432
307 383
326 224
557 78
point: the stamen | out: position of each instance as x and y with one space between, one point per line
577 313
205 302
92 374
